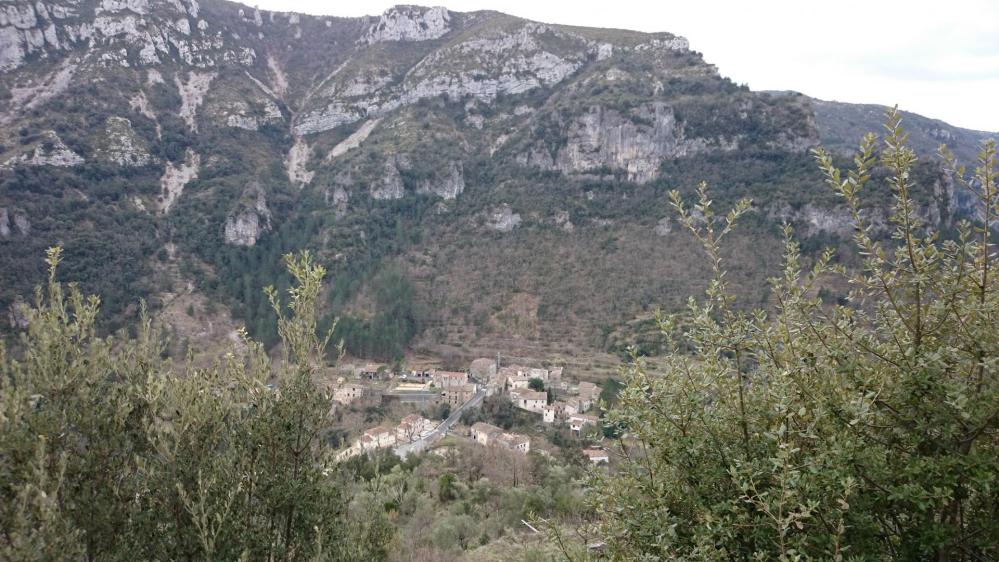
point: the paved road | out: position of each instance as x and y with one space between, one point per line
441 430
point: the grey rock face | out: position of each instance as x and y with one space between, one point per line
636 143
448 185
124 147
329 117
44 29
337 195
22 224
17 313
175 177
296 161
192 93
51 151
250 219
605 138
817 220
241 116
390 186
409 23
497 63
503 219
13 223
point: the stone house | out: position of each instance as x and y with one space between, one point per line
503 374
412 427
588 392
597 456
578 421
514 442
572 406
449 379
528 399
377 438
554 412
489 435
483 433
372 371
416 375
515 382
455 396
535 373
347 393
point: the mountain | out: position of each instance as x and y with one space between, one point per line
477 182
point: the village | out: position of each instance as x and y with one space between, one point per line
547 394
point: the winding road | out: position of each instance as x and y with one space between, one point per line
441 430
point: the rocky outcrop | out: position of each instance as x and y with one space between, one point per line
249 220
503 219
495 63
337 197
674 43
327 118
192 94
26 97
390 185
448 185
50 151
175 177
490 64
354 140
140 103
814 220
240 115
13 223
17 314
122 146
635 143
409 23
126 30
296 161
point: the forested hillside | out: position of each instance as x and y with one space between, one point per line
475 181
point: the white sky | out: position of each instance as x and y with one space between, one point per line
937 58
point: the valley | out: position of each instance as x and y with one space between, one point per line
432 285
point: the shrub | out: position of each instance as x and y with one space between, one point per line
865 429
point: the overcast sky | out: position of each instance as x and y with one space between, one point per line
938 58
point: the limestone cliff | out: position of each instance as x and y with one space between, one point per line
491 159
249 219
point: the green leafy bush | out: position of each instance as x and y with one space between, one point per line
107 453
863 430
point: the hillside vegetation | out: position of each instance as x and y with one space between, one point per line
475 181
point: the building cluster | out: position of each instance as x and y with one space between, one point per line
429 387
412 428
515 382
597 456
454 387
422 387
489 435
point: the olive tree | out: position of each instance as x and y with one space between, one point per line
867 429
108 452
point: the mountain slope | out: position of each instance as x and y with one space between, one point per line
476 180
